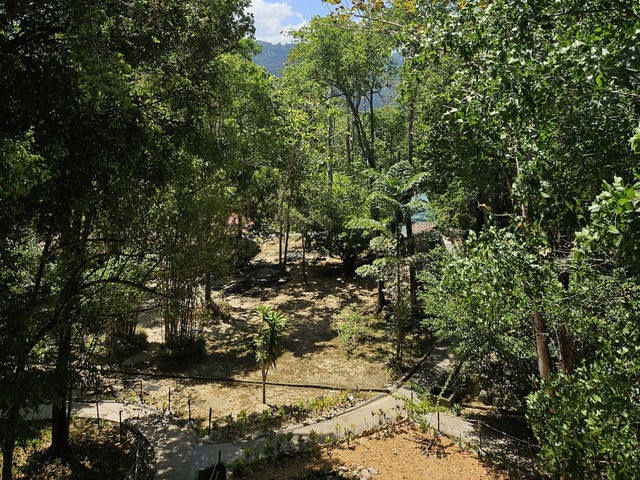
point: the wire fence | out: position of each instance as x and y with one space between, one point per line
215 425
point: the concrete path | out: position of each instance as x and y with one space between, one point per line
172 444
379 411
180 454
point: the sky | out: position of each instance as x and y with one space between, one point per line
275 16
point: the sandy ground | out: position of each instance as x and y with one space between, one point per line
313 353
407 454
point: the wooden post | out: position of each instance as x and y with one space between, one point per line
438 421
210 410
169 399
141 399
120 424
189 405
98 413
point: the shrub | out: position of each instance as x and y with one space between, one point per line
120 347
353 326
588 425
219 309
183 348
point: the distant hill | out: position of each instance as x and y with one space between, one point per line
273 56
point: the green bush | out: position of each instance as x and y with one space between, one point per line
353 326
588 426
183 348
120 347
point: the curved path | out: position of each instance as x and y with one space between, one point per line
180 454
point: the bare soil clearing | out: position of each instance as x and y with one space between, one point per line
313 353
406 454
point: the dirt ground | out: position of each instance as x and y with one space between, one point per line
407 454
312 352
96 453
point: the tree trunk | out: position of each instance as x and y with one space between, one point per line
348 141
239 230
280 225
330 146
565 355
59 419
412 112
381 302
9 441
348 265
413 283
399 318
480 220
304 259
283 267
280 244
207 289
372 131
542 344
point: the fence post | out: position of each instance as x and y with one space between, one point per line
120 424
438 421
141 398
169 399
210 410
189 405
98 413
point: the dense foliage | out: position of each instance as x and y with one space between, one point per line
140 144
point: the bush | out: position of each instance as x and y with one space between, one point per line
183 348
219 309
120 347
588 426
353 326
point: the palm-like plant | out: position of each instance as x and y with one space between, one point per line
268 341
395 199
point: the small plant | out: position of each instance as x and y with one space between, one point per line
247 454
456 409
239 466
353 326
242 416
268 450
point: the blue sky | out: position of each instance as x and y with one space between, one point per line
275 16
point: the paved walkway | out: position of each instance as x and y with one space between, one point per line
180 454
381 410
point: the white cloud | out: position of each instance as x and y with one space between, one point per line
273 20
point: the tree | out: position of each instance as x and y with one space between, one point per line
109 107
268 341
394 197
